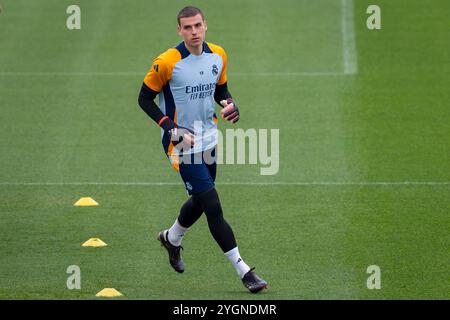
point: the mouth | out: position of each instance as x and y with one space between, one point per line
195 39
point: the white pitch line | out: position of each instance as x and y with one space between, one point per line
71 73
280 183
348 38
287 74
132 73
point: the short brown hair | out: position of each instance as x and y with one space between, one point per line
189 12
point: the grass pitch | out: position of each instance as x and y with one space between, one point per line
364 173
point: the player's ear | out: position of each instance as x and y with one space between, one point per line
206 25
179 30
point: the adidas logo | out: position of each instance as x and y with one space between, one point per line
239 260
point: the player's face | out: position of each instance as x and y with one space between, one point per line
193 30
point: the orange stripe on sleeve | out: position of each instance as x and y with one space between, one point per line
161 70
162 120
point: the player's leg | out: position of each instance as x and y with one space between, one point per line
196 178
190 212
171 238
222 231
218 226
223 234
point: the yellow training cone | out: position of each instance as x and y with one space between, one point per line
94 242
86 202
109 293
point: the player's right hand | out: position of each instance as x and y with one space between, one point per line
177 134
182 137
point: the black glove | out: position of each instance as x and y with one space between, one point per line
180 134
230 110
177 133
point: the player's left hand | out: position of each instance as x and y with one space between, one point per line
230 110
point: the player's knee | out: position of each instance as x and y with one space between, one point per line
210 202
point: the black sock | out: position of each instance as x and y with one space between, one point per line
219 228
190 212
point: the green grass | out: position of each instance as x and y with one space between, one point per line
387 123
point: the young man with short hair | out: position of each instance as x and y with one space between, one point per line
188 79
